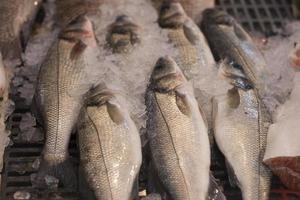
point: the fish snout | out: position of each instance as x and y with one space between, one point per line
166 75
171 15
218 17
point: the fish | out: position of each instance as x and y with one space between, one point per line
193 8
13 15
110 146
241 122
229 41
177 133
123 35
194 56
59 97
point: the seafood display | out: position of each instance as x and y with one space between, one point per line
150 100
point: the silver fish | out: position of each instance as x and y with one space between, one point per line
177 133
58 100
241 123
229 41
110 147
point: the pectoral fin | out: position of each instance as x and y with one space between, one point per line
183 103
115 112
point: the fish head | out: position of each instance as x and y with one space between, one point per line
123 34
171 15
214 16
234 74
80 30
166 75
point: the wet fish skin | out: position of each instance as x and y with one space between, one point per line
13 15
229 41
193 56
110 147
58 100
241 123
177 133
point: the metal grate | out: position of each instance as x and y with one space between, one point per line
265 16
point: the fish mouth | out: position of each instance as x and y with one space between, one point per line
123 34
171 15
166 75
218 17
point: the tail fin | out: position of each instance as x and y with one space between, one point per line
63 170
69 10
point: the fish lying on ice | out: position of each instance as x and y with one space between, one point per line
110 147
177 133
241 123
229 41
59 97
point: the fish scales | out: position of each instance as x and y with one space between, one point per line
110 153
241 135
179 145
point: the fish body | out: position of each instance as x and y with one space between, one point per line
229 41
177 134
110 148
59 98
240 125
13 15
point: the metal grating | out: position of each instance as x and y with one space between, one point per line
264 16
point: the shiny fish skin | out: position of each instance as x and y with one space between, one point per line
177 133
240 125
229 41
58 101
13 15
110 148
193 51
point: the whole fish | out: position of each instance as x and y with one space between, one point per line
110 147
228 40
193 8
59 97
241 123
13 15
177 133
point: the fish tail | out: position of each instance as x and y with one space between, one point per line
11 49
63 170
